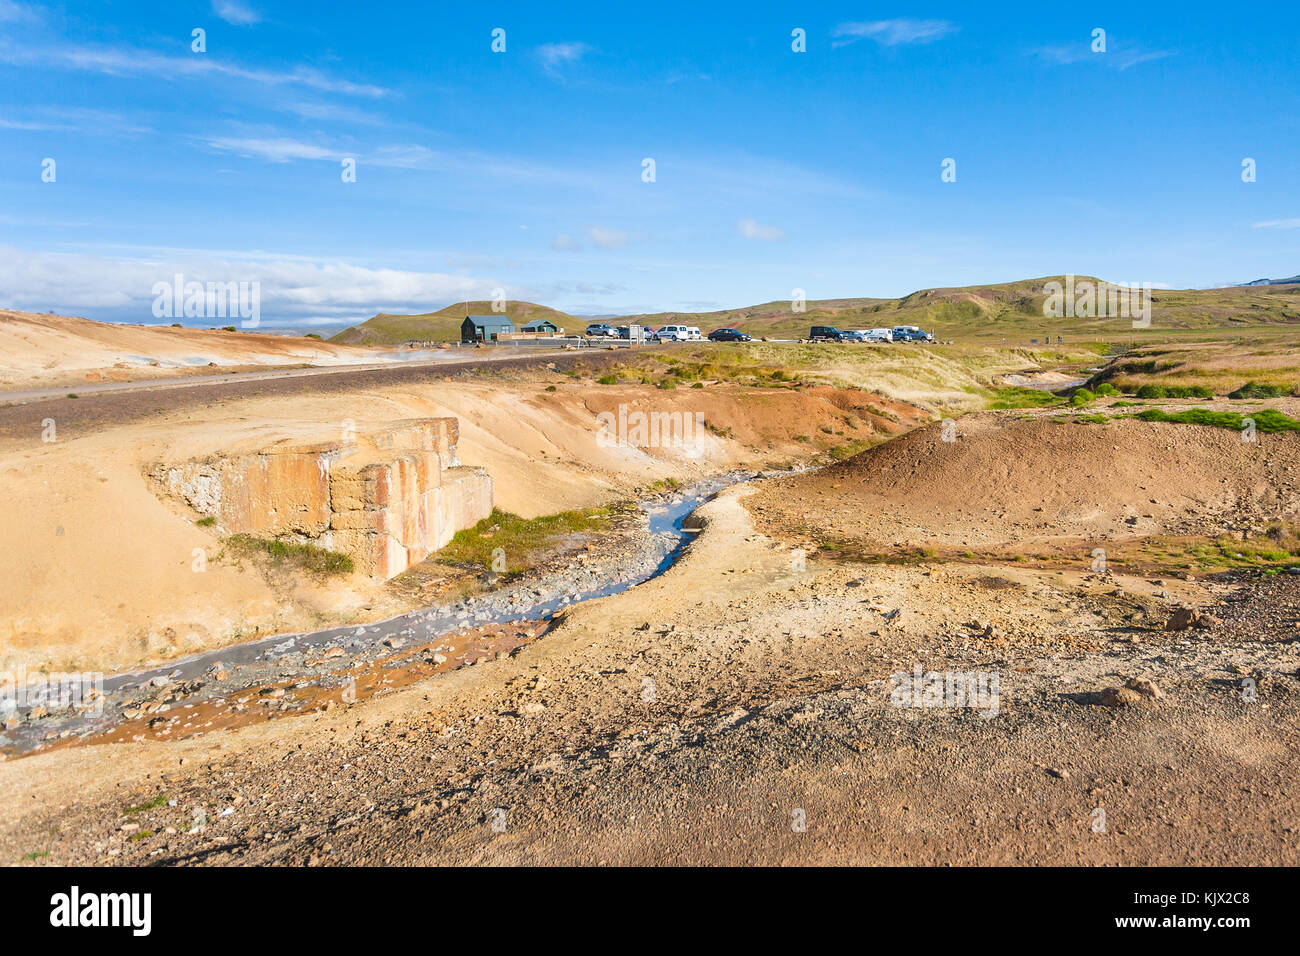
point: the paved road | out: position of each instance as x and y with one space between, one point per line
98 406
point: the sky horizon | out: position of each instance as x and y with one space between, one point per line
612 162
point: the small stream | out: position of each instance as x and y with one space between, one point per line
534 600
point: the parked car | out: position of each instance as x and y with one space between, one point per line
622 332
600 329
878 335
825 333
911 333
728 335
676 333
854 335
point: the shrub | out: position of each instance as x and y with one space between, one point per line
1081 397
607 380
1175 391
1106 389
1266 419
1258 390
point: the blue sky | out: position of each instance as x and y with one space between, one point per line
522 170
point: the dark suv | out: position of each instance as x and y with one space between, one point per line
826 333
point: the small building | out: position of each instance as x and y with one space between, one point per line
542 327
485 328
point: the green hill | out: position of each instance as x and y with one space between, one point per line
1011 310
444 325
1006 310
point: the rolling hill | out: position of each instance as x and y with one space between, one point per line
444 325
1009 310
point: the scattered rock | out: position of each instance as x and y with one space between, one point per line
1144 687
1189 617
1118 697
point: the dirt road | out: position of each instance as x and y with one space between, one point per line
98 406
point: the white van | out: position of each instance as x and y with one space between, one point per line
676 333
879 335
693 334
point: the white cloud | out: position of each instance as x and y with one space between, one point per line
1277 224
294 290
11 12
553 55
73 119
755 230
285 149
273 149
1118 56
565 243
607 238
894 32
113 61
236 12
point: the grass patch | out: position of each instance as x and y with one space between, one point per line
319 562
1016 397
848 451
153 804
521 540
1258 390
1174 391
1266 419
207 522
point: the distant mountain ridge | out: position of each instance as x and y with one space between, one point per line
1290 281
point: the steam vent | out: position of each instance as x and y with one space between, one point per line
388 499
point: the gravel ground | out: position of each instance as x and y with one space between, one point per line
740 709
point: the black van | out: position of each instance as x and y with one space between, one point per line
826 333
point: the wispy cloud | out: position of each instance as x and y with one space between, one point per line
1118 56
286 149
893 32
236 12
1277 224
116 61
555 55
294 290
73 119
11 12
751 229
565 243
607 238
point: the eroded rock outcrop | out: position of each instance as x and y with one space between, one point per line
388 498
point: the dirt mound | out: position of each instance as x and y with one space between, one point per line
1004 479
38 349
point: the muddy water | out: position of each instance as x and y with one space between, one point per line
291 673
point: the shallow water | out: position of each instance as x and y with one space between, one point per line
665 519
